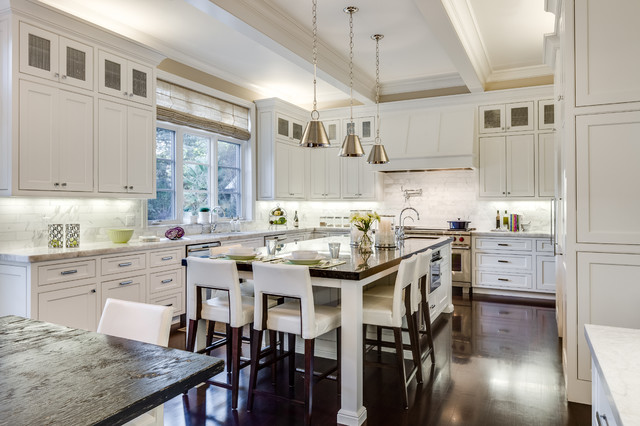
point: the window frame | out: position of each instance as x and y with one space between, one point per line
244 165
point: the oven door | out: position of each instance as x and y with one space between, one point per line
461 264
435 278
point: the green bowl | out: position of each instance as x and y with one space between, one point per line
120 236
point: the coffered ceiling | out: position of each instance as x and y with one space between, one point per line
430 47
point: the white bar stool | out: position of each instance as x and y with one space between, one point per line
423 271
142 322
301 317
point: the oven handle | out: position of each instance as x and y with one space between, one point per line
460 248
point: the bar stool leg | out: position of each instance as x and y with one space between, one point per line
308 379
397 335
273 345
236 342
416 353
191 334
255 362
292 359
229 348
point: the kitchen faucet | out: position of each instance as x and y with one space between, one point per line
400 230
217 210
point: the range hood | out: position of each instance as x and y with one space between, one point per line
430 139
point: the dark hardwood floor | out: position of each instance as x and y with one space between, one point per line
498 362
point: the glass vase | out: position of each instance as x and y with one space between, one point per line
365 243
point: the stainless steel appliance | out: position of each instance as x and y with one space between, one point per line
201 250
460 251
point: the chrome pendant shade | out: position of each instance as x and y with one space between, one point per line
378 154
351 147
315 136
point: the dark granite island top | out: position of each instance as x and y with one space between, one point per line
355 268
51 374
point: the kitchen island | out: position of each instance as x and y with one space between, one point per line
350 279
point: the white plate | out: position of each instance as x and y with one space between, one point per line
307 262
240 257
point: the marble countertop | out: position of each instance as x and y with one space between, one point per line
42 254
508 234
615 352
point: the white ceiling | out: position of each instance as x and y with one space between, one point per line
265 45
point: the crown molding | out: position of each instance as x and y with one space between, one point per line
520 73
422 84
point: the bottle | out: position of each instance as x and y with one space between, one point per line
295 219
505 220
497 219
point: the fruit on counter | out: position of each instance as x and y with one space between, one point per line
277 212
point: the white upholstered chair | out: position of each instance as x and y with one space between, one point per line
300 317
387 311
142 322
229 306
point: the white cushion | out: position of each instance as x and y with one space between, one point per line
286 318
217 309
380 291
379 311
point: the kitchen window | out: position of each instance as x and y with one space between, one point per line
211 173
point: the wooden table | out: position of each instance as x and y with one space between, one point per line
350 277
51 374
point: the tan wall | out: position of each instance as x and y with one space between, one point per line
185 71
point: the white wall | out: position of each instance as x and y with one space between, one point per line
446 195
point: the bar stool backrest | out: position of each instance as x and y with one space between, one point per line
288 281
406 275
422 270
136 321
218 274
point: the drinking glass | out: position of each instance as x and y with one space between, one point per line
271 247
334 250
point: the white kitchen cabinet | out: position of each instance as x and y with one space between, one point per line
289 171
546 273
75 307
364 127
607 173
359 179
13 288
546 165
125 79
605 35
546 114
57 58
131 288
601 411
507 166
288 128
512 117
334 134
5 106
608 295
125 149
324 174
56 139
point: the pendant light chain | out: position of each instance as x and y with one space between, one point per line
314 9
351 10
377 37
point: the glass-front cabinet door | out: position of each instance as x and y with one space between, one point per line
140 86
546 114
124 79
519 116
47 55
491 118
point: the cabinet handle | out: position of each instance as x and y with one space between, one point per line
56 184
56 75
503 244
131 187
122 265
126 93
432 306
502 331
167 258
503 261
131 95
503 193
126 282
503 279
167 281
93 290
560 97
64 184
125 187
69 272
504 312
603 417
508 192
169 304
64 77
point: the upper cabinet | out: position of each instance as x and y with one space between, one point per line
324 174
507 166
359 179
57 135
364 127
289 129
57 58
607 66
125 79
546 114
510 117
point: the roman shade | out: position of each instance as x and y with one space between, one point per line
179 105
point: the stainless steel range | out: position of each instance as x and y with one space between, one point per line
460 251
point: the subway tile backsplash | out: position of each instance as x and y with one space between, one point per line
446 195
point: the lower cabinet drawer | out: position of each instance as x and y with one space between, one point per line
504 280
165 281
176 300
166 257
504 262
61 272
120 264
130 288
510 244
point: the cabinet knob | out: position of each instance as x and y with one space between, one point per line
93 290
64 183
56 75
56 184
64 77
126 93
508 192
503 192
126 187
560 97
131 187
131 95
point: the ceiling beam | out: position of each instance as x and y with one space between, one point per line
452 23
284 36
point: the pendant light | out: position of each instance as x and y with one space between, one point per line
378 155
351 147
315 136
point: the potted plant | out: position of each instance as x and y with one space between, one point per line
189 216
204 215
363 224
